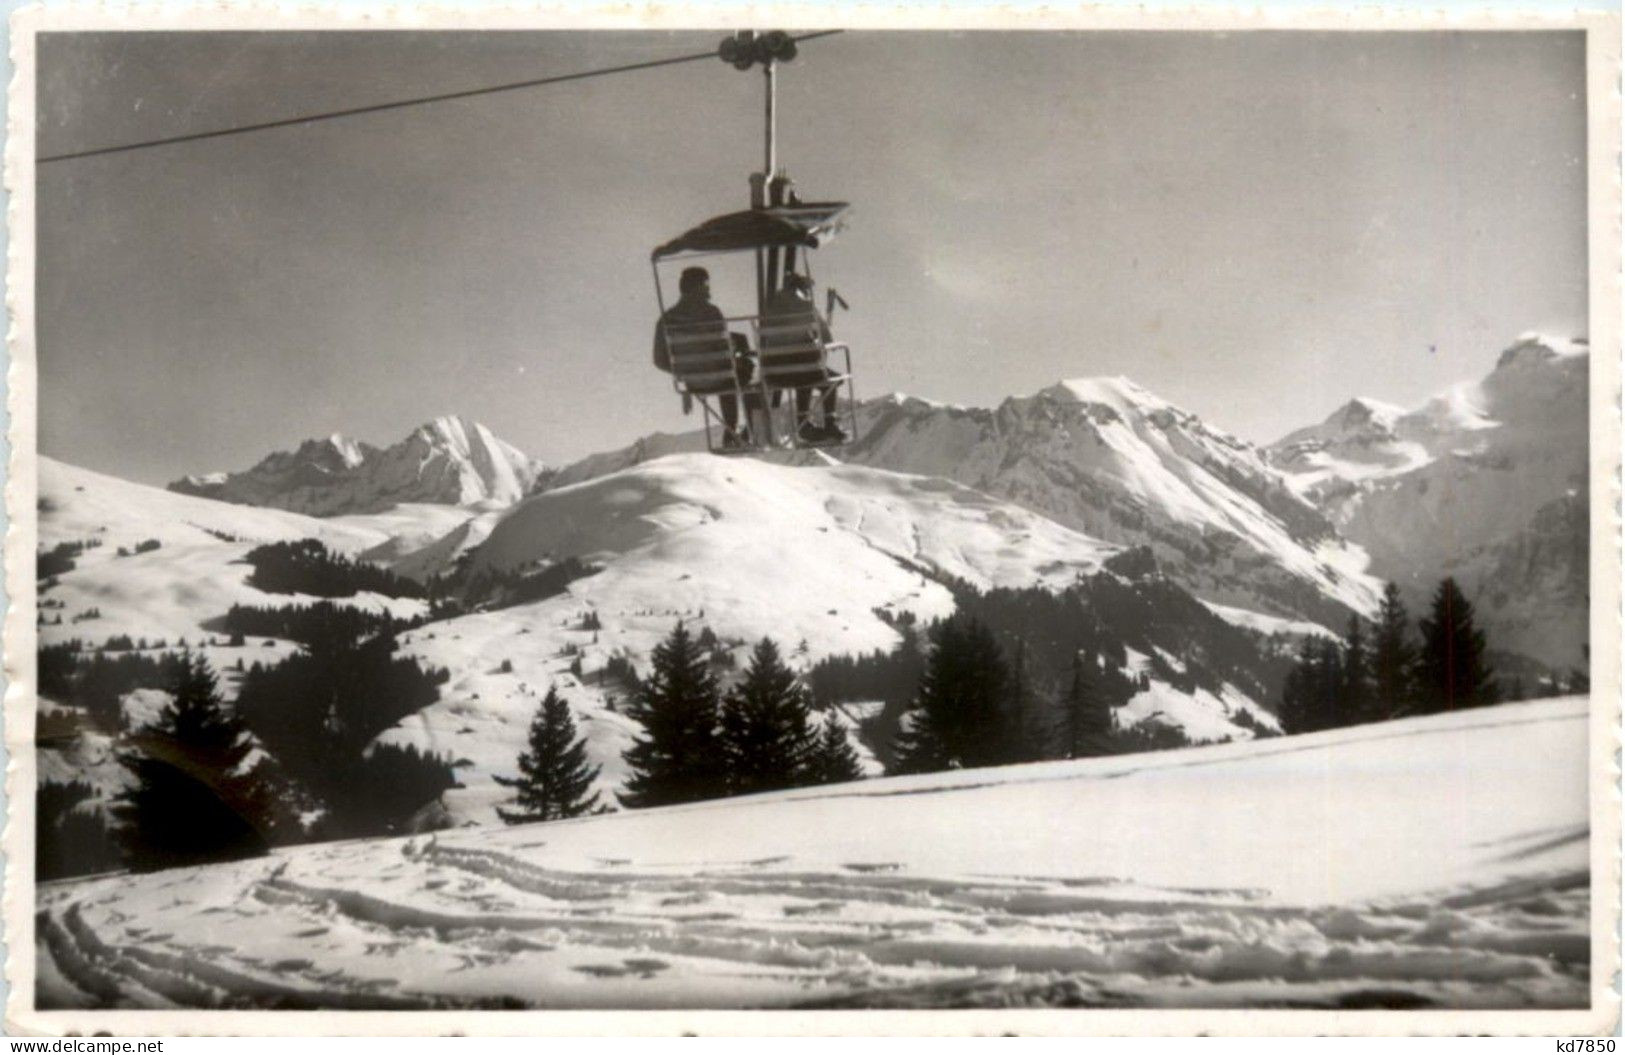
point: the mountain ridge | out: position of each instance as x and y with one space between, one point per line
1302 529
449 460
1106 457
1487 481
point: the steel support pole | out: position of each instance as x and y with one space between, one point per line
769 276
770 71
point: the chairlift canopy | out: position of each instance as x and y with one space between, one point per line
809 224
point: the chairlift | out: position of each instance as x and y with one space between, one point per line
780 360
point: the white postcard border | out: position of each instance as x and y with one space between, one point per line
1603 70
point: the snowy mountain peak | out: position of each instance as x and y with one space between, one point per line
455 432
1362 414
1118 393
451 460
1534 350
1530 376
336 452
1485 481
1359 438
1457 409
1104 456
903 399
471 463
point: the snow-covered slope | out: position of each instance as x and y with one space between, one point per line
646 448
75 504
808 529
410 526
449 461
812 556
1107 458
822 558
437 556
1487 481
1432 862
194 575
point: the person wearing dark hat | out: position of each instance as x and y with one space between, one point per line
793 339
695 332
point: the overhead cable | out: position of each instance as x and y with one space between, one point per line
395 105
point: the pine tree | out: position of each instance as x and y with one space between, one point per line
921 745
1296 711
1329 685
189 803
679 757
832 760
764 726
1312 698
70 839
1392 658
918 748
389 790
554 775
1088 710
1452 670
1033 733
962 716
1356 701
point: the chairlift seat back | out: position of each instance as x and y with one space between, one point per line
701 356
792 351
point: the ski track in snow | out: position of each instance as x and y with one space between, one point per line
497 931
932 891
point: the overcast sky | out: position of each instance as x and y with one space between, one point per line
1254 226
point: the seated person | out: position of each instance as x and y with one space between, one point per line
694 316
792 307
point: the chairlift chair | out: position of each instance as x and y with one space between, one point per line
792 354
